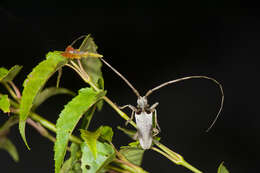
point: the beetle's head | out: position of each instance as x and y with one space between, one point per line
142 102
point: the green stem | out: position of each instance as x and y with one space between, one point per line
47 124
17 92
174 157
121 113
190 167
9 89
110 167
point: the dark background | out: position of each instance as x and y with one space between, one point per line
149 46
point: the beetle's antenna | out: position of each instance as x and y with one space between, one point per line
194 77
120 75
78 39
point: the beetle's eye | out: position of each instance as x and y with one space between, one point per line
147 111
139 111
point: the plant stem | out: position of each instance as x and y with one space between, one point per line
47 124
9 89
121 113
17 91
174 157
40 129
117 169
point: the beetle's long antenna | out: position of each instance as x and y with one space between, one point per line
78 39
119 74
194 77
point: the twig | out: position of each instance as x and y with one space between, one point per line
17 91
40 129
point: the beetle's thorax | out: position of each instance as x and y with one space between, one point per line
142 102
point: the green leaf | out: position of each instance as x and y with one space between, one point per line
3 73
87 117
133 154
49 92
69 118
105 155
91 140
106 133
33 84
8 124
135 144
7 145
74 148
4 103
222 168
9 75
128 132
66 167
92 65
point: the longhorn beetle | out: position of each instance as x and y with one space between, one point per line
146 116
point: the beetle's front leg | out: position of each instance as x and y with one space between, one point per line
152 108
131 118
132 114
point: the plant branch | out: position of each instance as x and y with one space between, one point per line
113 169
10 90
40 129
47 124
121 113
174 157
17 91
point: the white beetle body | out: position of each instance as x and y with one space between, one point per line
144 122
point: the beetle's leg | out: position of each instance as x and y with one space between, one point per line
155 131
135 136
127 106
157 127
133 111
130 119
152 108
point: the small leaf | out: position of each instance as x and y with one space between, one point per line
66 167
4 103
12 120
74 148
33 84
69 118
3 73
9 123
87 117
133 154
7 145
135 144
92 65
49 92
91 139
105 155
9 75
222 168
72 165
130 133
106 133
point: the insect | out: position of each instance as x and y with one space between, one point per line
146 115
72 53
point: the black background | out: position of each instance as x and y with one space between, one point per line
149 46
